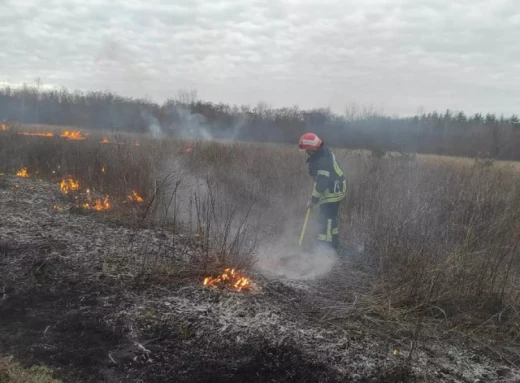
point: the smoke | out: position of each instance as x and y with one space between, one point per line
278 253
283 257
152 124
191 125
290 261
186 124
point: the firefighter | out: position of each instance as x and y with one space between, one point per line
329 187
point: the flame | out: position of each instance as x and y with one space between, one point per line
135 197
69 185
22 173
105 140
137 143
4 127
73 135
57 207
230 278
103 169
101 205
38 134
189 149
97 205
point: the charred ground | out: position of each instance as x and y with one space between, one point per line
75 297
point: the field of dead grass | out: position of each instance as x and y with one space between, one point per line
439 235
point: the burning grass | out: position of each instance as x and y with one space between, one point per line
135 197
73 135
440 233
84 292
68 185
229 278
37 134
23 173
91 203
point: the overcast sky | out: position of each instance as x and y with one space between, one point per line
397 55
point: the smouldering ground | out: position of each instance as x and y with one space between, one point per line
77 298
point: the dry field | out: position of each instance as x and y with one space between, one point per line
114 250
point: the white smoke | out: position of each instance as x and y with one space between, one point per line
292 262
153 125
284 258
191 125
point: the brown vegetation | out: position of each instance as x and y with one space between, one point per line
12 372
440 235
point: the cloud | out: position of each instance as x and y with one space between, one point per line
398 55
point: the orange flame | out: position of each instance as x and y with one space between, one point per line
37 134
73 135
103 169
69 185
102 205
98 204
23 173
135 197
4 127
57 207
105 140
230 278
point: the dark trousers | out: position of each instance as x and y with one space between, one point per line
328 224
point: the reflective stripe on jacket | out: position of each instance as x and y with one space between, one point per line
330 184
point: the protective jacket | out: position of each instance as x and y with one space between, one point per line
330 184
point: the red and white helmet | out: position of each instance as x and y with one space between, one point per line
310 141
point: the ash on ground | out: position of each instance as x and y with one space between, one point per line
78 294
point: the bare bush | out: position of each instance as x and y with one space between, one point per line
440 234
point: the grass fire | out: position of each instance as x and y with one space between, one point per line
73 135
69 184
23 173
173 246
229 278
135 197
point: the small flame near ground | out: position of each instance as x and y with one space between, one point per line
73 135
229 278
23 173
4 127
37 134
99 205
57 207
68 185
135 197
96 204
105 141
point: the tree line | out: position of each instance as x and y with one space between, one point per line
446 133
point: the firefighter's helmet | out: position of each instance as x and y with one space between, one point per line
310 141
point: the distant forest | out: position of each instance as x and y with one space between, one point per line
446 133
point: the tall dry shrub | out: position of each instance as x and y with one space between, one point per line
446 234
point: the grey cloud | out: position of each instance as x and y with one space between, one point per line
398 55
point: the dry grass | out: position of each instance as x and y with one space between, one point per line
12 372
441 234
